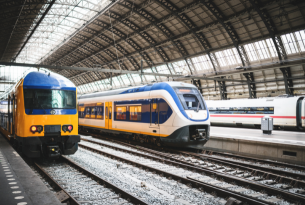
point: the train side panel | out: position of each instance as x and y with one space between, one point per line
282 110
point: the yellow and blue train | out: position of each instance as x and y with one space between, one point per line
40 115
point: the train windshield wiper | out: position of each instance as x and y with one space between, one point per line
198 107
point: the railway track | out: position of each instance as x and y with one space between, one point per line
217 177
76 185
249 177
290 171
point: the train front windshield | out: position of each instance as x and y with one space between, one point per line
190 98
49 99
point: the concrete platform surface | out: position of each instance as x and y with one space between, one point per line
18 183
286 146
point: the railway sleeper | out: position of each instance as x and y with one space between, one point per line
233 201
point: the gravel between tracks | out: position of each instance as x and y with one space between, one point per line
178 171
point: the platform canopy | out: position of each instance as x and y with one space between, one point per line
228 49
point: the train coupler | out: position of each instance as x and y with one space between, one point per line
53 151
200 134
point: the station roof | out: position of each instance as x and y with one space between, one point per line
261 41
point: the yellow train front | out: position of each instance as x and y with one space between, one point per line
41 117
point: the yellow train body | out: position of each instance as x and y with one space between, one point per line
54 138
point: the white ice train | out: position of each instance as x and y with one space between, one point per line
287 112
170 114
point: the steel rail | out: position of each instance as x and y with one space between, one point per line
271 172
188 181
280 164
239 180
123 194
56 186
265 170
236 156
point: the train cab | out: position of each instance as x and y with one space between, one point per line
41 116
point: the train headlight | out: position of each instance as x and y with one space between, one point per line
70 128
33 128
36 128
66 128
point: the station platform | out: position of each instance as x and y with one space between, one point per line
286 146
18 183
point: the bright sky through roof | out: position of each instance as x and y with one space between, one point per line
64 18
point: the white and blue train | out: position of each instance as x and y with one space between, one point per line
167 113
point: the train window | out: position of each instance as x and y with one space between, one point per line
100 112
191 102
242 110
88 112
120 113
190 98
81 112
93 112
49 99
135 112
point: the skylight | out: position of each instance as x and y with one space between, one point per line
62 20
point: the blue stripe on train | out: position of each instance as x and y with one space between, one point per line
170 90
165 111
47 111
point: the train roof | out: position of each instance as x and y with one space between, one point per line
42 80
148 87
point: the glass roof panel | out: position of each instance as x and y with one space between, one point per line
62 20
202 62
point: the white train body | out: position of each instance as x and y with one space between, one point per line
171 113
286 112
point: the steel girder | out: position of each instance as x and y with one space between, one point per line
133 26
191 26
152 20
107 51
251 84
277 41
198 29
229 29
222 89
271 29
108 40
287 80
197 83
144 35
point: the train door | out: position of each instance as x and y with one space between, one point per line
108 115
303 113
154 116
299 114
13 114
9 114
